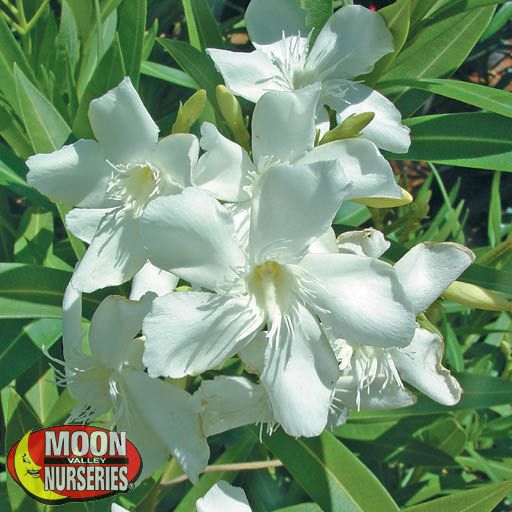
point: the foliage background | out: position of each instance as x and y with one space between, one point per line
57 55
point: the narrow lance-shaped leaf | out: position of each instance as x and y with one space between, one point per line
132 23
203 29
435 52
46 128
330 473
10 54
171 75
482 499
481 96
475 140
198 65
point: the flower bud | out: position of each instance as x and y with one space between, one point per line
190 112
477 297
386 202
349 128
232 112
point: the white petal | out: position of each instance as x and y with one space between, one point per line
370 173
193 236
368 242
253 354
114 325
176 155
115 255
283 125
188 332
84 222
122 125
232 402
225 169
249 75
300 374
223 497
241 213
325 244
420 364
268 20
379 395
77 174
386 129
350 44
429 268
71 323
118 508
365 301
151 279
165 417
292 206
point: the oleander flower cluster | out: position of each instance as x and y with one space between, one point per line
230 253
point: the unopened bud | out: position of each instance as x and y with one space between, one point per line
386 202
190 112
476 297
349 128
232 113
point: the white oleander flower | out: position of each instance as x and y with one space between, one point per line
223 497
111 181
160 418
371 376
274 282
353 40
283 133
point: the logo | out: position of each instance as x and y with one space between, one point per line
74 463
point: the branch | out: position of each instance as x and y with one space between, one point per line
237 466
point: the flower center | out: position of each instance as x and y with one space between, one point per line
274 287
135 185
290 57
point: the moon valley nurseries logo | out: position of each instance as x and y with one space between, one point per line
74 463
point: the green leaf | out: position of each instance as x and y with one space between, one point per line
198 65
454 7
46 128
10 54
318 13
22 342
149 40
330 473
495 209
203 29
482 499
237 452
14 180
12 132
500 19
32 291
35 236
398 19
474 140
481 96
171 75
421 8
303 507
132 24
436 51
108 74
